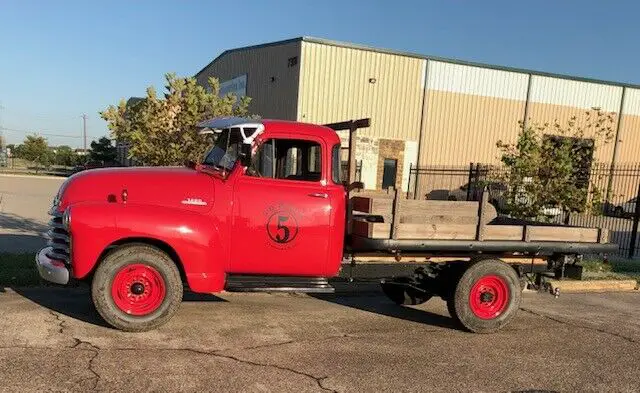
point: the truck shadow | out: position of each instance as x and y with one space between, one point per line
76 302
377 303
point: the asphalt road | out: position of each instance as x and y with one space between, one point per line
52 340
24 202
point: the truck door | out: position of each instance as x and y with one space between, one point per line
282 211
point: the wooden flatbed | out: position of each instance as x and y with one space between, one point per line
387 222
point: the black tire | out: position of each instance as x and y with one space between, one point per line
452 310
147 258
503 296
403 296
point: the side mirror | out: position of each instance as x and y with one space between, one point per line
245 154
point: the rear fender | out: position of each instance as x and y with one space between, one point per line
191 235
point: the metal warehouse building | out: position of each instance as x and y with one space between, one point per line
424 110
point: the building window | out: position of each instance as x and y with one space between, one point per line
389 173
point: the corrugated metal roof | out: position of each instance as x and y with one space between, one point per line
411 54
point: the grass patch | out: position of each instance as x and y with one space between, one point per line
615 269
18 270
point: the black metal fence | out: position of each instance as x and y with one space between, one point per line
345 170
619 185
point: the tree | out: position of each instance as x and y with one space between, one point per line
551 165
103 151
35 149
17 151
64 156
162 131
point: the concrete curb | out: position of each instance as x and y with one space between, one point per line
576 286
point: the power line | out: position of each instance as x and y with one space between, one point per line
45 133
38 115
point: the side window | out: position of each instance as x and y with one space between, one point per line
336 165
288 159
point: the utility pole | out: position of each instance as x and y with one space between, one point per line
3 158
1 108
84 135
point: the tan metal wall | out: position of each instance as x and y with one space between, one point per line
629 137
270 99
553 99
467 110
334 86
456 112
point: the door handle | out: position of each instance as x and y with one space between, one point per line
318 195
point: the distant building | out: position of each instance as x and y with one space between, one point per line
424 110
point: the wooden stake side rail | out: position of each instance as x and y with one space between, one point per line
452 220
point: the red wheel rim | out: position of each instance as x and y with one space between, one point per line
138 289
489 297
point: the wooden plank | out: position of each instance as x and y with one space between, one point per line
424 259
526 234
503 232
352 154
349 218
482 215
361 228
603 235
373 230
372 205
395 215
563 234
436 231
384 194
427 219
384 206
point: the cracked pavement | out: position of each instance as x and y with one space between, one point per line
53 340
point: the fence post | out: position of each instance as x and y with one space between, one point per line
634 230
409 180
416 183
469 180
476 181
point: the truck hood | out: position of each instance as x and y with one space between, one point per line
179 187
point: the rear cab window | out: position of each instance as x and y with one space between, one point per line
336 165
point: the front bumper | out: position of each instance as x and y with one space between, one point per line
50 269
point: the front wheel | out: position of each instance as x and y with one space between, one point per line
137 288
487 296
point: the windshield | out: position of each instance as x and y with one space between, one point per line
225 150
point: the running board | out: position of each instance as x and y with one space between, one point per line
253 283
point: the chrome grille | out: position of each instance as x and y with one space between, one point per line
59 239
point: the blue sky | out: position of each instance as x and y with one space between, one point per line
61 59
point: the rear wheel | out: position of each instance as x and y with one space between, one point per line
137 288
487 296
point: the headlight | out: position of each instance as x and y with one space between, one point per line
66 219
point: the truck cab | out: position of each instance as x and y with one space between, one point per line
264 209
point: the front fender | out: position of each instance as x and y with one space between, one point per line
193 236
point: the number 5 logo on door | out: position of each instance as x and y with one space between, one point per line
282 226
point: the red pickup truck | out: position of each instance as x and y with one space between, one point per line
265 210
